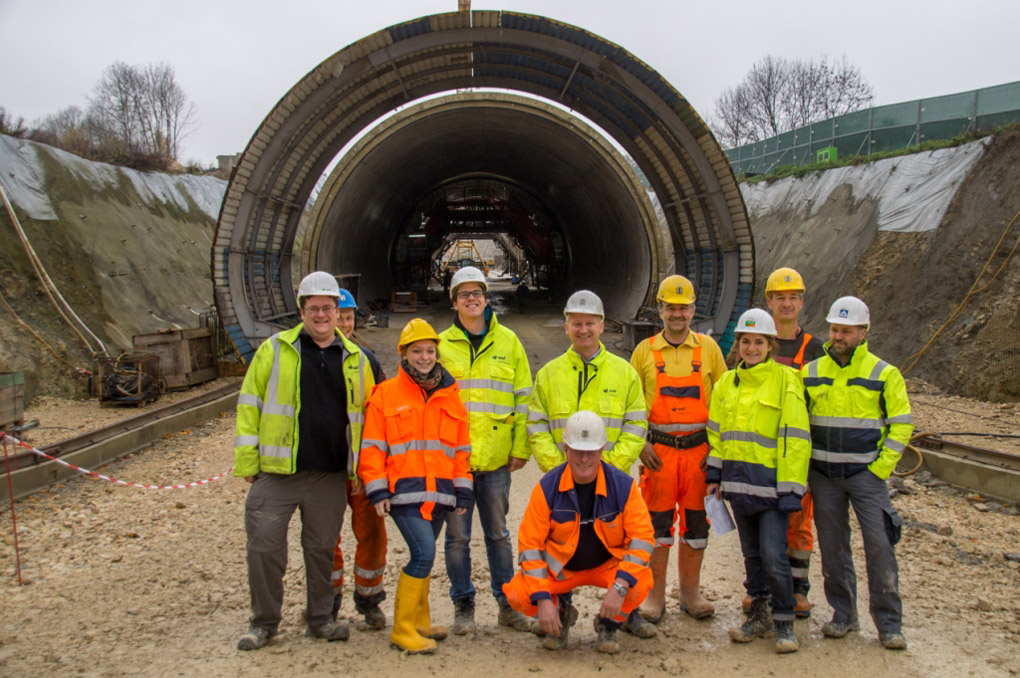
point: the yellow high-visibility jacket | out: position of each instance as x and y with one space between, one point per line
266 432
860 415
759 438
608 386
495 387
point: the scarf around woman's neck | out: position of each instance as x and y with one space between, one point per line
429 381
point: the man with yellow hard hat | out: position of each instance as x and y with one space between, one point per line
784 294
678 367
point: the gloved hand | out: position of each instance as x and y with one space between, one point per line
789 503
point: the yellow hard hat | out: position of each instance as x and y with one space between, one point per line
784 280
416 330
676 289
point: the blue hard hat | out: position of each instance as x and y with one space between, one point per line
346 300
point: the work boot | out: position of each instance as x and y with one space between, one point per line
254 638
508 616
786 639
368 607
423 616
802 610
332 630
568 617
839 629
464 616
607 642
893 640
404 635
337 599
691 600
636 625
757 624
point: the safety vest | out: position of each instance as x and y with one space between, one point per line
608 386
266 432
679 406
759 434
415 451
860 415
551 527
495 387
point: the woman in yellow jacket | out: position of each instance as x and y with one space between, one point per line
414 464
760 443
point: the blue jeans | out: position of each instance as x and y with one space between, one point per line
420 535
763 543
492 497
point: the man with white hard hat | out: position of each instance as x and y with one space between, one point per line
494 377
601 536
678 369
860 425
300 415
587 377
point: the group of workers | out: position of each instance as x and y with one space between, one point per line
796 430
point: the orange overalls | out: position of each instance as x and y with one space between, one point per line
369 554
679 409
800 541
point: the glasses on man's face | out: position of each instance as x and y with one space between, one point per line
316 310
473 294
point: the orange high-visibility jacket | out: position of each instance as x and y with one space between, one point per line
551 527
415 451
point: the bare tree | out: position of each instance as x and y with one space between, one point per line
144 108
777 96
10 125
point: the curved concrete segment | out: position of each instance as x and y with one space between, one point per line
542 155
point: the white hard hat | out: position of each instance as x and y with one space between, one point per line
318 283
584 302
585 431
466 275
849 311
756 321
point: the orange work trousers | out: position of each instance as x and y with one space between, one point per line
603 576
370 552
676 494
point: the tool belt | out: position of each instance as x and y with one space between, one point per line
677 442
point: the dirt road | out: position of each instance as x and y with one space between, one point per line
127 581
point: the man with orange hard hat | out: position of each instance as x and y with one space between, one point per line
678 367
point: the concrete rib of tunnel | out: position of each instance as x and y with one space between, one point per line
534 151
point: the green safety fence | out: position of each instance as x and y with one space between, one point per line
882 128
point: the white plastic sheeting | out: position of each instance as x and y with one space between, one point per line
23 177
913 192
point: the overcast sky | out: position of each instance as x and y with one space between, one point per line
237 59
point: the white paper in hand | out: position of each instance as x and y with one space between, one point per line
718 515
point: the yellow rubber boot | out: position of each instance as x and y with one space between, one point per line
405 609
423 617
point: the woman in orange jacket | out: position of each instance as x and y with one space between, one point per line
414 464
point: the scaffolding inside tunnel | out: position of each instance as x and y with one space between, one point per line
584 139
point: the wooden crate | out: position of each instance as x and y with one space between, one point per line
404 302
186 357
12 398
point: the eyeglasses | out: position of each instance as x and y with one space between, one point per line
473 294
316 310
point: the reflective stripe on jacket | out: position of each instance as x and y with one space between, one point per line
495 387
860 415
608 386
759 436
415 451
266 432
551 527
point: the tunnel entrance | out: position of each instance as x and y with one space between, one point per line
530 133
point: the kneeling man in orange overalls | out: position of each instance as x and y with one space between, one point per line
586 525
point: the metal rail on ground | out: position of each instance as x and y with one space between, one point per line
991 473
31 473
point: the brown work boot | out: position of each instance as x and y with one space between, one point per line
802 610
636 625
568 617
607 642
508 616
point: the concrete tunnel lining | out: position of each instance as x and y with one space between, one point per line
253 262
615 244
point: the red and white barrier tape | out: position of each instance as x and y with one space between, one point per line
144 486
